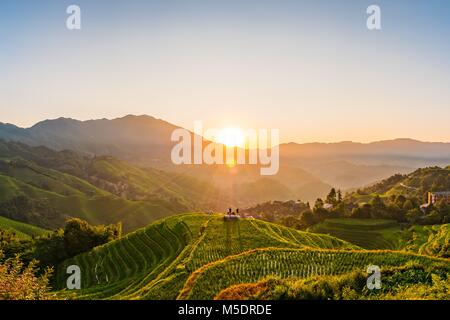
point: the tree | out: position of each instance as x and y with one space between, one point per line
378 208
399 200
356 213
76 237
318 203
339 196
362 212
331 197
393 211
408 205
291 222
22 282
443 207
80 237
321 214
433 218
307 218
413 215
377 203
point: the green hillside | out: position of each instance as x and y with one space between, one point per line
46 198
366 233
45 187
195 187
155 262
429 240
256 265
117 177
196 256
412 281
413 185
20 229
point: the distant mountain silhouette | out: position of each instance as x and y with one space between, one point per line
351 164
402 152
145 140
136 138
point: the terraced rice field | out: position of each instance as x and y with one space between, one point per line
195 256
154 262
255 265
429 240
366 233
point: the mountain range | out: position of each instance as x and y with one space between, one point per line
78 166
145 141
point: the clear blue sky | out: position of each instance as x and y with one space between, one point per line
309 68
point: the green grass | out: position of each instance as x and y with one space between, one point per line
367 198
196 256
412 281
430 240
52 197
155 262
255 265
22 230
366 233
8 188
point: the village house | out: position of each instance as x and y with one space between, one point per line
434 197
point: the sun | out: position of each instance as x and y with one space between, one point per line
231 137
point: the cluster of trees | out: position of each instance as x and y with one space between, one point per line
76 237
397 207
322 210
275 208
299 215
402 209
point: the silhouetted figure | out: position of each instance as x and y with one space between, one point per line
231 215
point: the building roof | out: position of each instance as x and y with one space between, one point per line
441 193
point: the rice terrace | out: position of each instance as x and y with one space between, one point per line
224 154
197 256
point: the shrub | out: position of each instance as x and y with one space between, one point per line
21 282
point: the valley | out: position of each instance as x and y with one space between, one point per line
152 230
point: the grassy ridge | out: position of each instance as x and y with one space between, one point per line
44 187
366 233
255 265
47 197
22 230
409 282
196 256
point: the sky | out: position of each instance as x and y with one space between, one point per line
309 68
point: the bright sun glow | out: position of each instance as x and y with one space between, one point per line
231 137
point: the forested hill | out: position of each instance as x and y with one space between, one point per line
45 187
415 184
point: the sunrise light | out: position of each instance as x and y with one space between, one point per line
231 137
